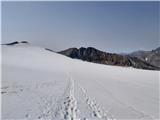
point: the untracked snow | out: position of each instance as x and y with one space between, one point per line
39 84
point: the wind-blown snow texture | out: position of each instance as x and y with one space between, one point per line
39 84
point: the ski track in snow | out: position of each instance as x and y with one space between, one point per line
67 108
70 104
97 111
67 105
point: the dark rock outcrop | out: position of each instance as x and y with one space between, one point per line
12 43
91 54
16 42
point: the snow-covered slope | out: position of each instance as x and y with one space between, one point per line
39 84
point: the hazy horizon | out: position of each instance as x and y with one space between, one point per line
119 27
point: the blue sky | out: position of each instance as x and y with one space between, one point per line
109 26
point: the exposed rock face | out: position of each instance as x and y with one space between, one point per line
91 54
71 52
13 43
151 57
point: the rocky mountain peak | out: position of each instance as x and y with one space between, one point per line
91 54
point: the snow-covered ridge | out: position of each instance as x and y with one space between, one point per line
39 84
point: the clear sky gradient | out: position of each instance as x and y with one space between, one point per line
109 26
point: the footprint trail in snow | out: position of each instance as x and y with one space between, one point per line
70 104
69 108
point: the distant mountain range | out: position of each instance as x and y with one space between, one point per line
151 57
140 59
150 60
